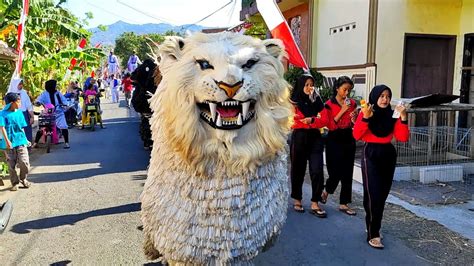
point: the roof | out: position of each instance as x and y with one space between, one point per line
6 52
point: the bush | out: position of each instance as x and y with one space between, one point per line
294 72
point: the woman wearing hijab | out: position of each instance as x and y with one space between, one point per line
376 127
340 144
16 86
306 144
54 97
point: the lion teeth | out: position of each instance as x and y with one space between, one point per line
212 108
245 109
219 120
239 120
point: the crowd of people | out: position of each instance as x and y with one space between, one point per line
17 117
373 124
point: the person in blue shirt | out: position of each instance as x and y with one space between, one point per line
14 140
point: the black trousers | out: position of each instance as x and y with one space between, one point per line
378 168
340 155
306 146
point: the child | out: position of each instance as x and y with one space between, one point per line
127 88
90 92
114 85
376 127
14 140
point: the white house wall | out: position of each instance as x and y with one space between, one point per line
346 47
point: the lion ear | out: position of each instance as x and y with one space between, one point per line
172 47
275 47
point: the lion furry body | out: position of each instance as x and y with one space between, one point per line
216 196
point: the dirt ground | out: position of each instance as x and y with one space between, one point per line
430 240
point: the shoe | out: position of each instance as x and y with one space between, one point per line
66 146
34 145
26 183
319 213
14 188
376 243
298 208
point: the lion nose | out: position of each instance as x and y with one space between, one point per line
230 90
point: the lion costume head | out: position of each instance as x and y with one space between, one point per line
217 172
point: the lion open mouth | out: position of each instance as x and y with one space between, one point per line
229 114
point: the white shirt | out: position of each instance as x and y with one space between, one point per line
25 101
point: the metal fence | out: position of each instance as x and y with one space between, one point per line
437 144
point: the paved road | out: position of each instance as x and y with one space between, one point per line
84 203
83 208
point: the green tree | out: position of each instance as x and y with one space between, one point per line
128 42
51 37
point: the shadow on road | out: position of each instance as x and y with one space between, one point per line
109 150
71 219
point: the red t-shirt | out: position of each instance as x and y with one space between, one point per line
362 131
319 122
127 85
332 109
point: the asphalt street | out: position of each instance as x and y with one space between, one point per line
83 208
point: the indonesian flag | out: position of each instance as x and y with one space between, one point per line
21 39
81 45
280 30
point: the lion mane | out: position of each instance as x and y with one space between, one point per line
216 191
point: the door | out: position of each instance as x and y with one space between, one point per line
428 67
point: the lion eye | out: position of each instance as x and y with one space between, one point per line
204 64
249 63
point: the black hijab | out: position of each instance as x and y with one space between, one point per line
381 124
302 100
50 87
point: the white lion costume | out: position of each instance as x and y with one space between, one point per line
217 185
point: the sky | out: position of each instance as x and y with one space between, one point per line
175 12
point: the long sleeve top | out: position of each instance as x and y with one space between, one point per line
332 109
318 121
362 131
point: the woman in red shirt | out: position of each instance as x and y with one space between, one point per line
376 127
340 144
306 144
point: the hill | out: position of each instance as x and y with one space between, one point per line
114 30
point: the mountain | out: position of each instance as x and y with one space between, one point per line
114 30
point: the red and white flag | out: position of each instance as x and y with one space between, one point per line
21 39
279 28
82 44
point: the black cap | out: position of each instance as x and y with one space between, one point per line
11 97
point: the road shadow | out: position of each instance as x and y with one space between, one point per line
60 263
71 219
108 151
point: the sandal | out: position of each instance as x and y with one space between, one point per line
319 213
347 211
324 197
298 208
25 183
376 242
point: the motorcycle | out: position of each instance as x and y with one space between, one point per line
47 125
92 110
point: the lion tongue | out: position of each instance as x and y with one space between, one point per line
228 112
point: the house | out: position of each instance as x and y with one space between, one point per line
416 47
